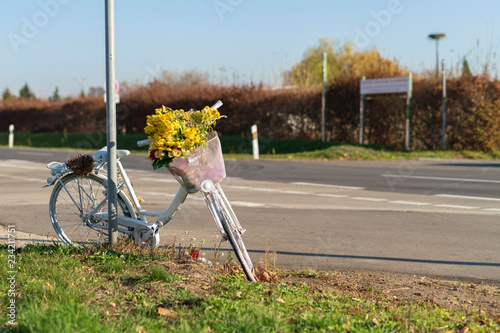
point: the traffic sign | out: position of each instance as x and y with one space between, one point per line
117 86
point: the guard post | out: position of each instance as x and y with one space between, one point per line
255 142
11 135
398 85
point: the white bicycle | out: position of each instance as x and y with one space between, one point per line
78 203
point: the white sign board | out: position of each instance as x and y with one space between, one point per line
385 86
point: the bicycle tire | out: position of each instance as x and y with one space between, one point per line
223 213
71 200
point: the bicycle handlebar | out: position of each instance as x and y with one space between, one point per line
146 142
143 143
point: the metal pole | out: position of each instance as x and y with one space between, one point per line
408 113
362 117
111 122
437 59
437 37
444 105
323 102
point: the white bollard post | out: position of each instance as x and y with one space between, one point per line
255 142
11 136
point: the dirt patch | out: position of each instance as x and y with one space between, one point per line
397 288
400 288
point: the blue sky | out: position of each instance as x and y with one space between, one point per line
49 43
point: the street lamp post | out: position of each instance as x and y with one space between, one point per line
437 37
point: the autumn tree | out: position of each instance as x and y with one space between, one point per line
342 62
189 78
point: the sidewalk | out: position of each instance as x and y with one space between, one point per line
21 239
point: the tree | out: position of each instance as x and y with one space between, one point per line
190 78
96 92
466 73
6 95
342 62
55 96
26 92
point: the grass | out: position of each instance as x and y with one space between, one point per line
130 290
235 147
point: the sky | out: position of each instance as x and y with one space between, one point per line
61 43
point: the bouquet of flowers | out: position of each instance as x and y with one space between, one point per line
184 142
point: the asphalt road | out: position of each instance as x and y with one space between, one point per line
432 217
457 177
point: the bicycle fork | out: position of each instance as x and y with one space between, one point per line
213 193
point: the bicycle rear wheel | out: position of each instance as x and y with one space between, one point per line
231 230
72 199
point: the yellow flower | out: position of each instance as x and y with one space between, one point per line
159 154
174 153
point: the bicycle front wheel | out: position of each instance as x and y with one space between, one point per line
72 200
223 214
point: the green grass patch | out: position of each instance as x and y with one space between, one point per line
61 289
235 147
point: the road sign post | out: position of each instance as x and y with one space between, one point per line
443 111
396 85
323 102
111 124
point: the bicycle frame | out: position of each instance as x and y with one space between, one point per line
59 170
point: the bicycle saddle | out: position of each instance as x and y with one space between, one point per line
102 154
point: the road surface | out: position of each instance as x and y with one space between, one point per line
422 217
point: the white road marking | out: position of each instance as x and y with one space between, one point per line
34 153
332 186
330 195
246 204
38 180
455 206
466 197
443 178
296 192
19 166
368 199
399 202
238 187
263 189
492 209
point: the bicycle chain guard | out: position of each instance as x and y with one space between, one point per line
146 237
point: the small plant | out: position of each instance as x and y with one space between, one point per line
159 273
